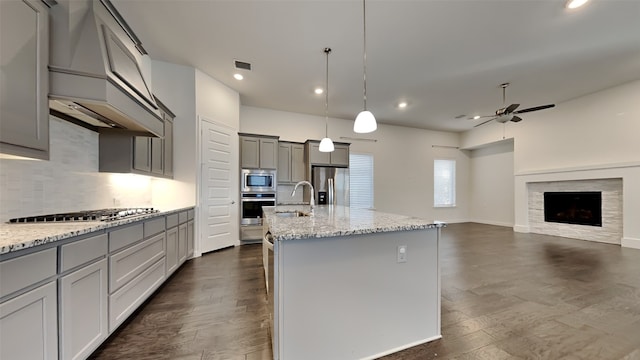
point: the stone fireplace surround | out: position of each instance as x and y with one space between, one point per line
620 186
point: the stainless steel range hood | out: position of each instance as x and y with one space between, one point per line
97 72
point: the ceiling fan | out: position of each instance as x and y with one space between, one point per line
509 113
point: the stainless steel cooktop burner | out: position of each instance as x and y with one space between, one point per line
88 215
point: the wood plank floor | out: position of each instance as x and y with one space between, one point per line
504 296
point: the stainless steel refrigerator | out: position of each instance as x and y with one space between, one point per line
331 185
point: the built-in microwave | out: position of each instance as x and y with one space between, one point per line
254 180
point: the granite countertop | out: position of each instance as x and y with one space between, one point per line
331 221
14 237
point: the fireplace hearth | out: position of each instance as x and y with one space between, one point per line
579 208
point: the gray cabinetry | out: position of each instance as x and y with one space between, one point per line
339 157
83 297
83 310
28 325
136 267
172 244
258 152
24 84
121 152
290 162
182 243
29 307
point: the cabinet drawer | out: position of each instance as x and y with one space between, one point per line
183 217
172 220
125 236
126 300
155 226
82 251
24 271
131 262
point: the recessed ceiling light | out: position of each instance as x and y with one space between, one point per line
572 4
238 76
476 117
402 104
318 91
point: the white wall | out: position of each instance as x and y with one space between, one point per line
591 137
403 158
175 86
491 179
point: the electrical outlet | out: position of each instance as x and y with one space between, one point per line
402 253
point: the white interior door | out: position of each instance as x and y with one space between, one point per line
218 186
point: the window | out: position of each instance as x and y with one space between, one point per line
444 183
361 180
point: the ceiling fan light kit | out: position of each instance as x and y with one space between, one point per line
365 121
508 113
326 144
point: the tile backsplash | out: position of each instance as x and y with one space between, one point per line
69 181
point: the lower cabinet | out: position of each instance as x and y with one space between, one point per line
127 299
172 250
29 325
190 238
182 243
83 310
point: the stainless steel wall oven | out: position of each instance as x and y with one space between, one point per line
251 205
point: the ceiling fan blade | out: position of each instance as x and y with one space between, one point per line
516 118
484 122
536 108
480 117
510 108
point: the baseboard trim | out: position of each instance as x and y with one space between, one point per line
403 347
489 222
521 229
630 243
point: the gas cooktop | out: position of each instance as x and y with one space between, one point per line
87 215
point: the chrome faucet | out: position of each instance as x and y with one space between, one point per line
312 202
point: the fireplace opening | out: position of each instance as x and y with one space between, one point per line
581 208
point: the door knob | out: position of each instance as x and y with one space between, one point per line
233 202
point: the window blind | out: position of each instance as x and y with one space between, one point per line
361 180
444 183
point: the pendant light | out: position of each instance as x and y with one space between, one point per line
326 145
365 121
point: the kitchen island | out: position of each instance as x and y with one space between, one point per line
341 285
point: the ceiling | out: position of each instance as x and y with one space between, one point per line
444 58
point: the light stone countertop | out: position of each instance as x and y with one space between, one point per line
331 221
14 237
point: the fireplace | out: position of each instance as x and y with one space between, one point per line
580 208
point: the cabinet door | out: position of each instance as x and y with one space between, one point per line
268 153
168 148
29 325
83 317
190 238
340 156
182 243
172 250
284 163
249 152
317 157
24 83
141 153
157 158
297 163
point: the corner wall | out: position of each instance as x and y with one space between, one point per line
591 137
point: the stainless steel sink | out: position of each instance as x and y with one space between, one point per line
292 213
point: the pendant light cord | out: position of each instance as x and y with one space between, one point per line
326 99
364 52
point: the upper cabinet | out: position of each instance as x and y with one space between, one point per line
24 84
290 162
122 152
339 157
258 152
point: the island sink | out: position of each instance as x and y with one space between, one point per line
291 213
